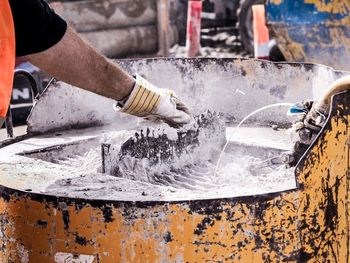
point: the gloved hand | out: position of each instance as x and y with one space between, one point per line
314 120
152 103
310 118
306 128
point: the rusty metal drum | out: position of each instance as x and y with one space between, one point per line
54 211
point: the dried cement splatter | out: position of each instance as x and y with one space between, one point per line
239 174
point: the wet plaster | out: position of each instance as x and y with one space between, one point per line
69 164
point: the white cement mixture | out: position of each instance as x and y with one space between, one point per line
239 174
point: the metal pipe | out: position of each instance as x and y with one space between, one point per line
86 16
163 27
119 42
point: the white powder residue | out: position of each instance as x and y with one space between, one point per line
244 175
89 162
189 177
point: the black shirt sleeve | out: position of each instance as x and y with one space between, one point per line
37 26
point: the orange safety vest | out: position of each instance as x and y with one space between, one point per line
7 56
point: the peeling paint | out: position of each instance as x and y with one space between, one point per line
334 6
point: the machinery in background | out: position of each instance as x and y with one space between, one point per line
134 20
311 31
228 13
304 31
22 95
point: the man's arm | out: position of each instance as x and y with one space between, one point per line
74 61
45 40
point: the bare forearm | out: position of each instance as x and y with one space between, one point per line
74 61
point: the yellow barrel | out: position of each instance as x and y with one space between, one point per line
309 223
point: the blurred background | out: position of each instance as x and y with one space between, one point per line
299 30
129 29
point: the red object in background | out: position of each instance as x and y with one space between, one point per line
261 33
193 28
7 56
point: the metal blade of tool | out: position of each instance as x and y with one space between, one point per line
151 147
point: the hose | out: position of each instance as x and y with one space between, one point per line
340 85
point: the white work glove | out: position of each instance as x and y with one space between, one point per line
306 128
311 119
152 103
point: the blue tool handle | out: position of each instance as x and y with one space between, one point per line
293 110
